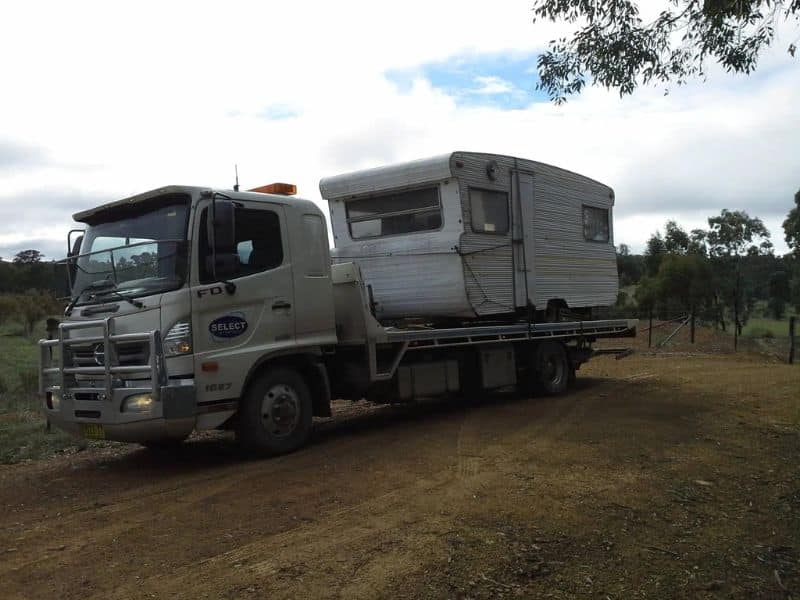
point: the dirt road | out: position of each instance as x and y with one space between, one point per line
656 477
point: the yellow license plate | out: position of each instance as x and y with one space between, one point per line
93 431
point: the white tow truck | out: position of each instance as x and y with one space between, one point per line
194 308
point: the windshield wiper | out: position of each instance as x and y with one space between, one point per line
116 294
101 285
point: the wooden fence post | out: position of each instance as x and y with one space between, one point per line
792 322
650 331
692 326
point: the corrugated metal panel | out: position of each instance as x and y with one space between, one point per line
488 263
409 174
423 285
566 266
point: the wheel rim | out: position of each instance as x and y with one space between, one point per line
280 410
551 368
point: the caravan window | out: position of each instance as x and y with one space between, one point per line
392 214
595 224
489 211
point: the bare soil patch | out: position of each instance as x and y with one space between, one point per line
665 475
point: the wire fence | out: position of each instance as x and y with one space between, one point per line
661 329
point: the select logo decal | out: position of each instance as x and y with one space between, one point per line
228 326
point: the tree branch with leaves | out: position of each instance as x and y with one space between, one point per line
613 47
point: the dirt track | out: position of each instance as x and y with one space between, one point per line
656 477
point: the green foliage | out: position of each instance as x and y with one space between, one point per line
766 327
23 437
26 257
19 354
3 386
28 380
9 308
778 293
29 308
687 279
33 306
17 277
655 251
794 292
676 240
791 226
647 293
777 308
735 233
629 266
613 47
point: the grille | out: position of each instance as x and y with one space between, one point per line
127 354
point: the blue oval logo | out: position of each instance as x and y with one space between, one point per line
229 326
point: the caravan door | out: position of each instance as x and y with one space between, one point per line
522 210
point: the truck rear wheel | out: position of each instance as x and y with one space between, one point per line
275 413
551 368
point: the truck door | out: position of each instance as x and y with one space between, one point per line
236 322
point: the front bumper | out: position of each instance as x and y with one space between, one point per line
92 398
172 416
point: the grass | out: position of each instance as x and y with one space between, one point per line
23 433
23 436
766 327
19 355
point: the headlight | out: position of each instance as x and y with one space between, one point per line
53 400
178 339
138 403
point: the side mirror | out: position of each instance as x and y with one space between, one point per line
223 266
72 263
221 227
224 260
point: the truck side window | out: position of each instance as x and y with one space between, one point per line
258 241
595 224
489 211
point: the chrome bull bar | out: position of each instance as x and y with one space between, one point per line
55 373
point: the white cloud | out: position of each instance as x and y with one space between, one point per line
488 84
111 100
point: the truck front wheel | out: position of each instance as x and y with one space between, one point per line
275 413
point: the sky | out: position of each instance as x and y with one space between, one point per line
104 100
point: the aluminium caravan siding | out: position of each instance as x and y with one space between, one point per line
411 275
565 265
487 258
392 177
411 282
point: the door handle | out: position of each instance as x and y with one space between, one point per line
281 304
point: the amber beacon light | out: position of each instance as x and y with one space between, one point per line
284 189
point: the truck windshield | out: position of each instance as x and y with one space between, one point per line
133 251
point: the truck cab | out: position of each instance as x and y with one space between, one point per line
179 296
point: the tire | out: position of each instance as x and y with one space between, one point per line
275 413
551 368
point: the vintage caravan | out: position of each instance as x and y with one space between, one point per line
469 235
